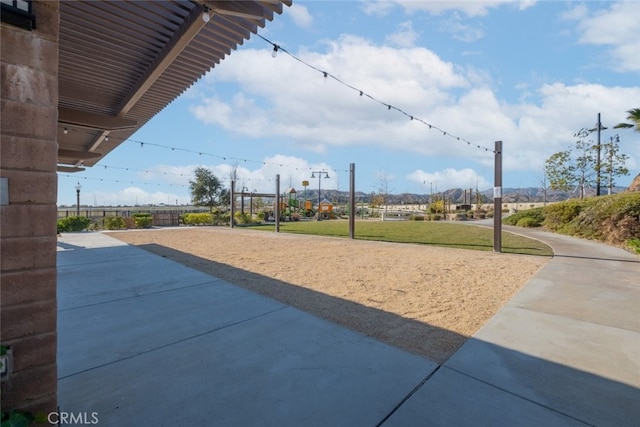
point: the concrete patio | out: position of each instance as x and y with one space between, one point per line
146 341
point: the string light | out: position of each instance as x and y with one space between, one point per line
199 153
326 74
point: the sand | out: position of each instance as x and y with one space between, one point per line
426 300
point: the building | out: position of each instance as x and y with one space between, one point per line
78 78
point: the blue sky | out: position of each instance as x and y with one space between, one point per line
529 73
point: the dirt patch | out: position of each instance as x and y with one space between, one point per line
426 300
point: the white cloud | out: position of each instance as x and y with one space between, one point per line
461 31
449 178
300 15
377 7
405 36
617 27
282 99
132 196
469 8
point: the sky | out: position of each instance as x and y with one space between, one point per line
441 81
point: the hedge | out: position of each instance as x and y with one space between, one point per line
73 223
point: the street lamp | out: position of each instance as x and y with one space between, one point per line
78 187
313 175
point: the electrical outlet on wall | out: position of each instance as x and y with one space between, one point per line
6 362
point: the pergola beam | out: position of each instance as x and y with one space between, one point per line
95 121
189 29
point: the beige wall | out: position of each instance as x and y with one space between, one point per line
28 157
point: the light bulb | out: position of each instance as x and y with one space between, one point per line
274 52
205 15
65 131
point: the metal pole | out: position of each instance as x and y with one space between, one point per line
319 186
599 124
277 211
352 200
497 199
78 199
233 202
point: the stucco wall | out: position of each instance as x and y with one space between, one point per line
28 157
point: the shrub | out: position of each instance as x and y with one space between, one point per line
437 206
114 223
242 218
612 219
295 216
528 222
416 218
436 217
73 223
558 215
535 218
634 245
142 220
223 218
197 219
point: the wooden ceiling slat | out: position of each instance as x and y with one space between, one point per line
107 48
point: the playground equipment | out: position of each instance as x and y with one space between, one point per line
325 208
290 205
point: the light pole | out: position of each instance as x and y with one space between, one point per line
305 184
78 187
598 128
313 175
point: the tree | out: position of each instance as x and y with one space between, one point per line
560 172
566 171
206 189
383 188
634 118
615 165
544 183
585 162
575 169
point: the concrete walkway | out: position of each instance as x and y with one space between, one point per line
146 341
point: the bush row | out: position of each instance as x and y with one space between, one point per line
205 218
611 219
73 223
81 223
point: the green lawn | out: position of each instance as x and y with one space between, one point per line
434 233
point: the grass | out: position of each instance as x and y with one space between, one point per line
425 233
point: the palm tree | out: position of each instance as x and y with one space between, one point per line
634 118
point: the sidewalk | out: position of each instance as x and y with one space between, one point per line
146 341
567 343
